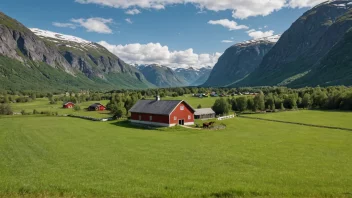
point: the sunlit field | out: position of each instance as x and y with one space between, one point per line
42 104
324 118
69 157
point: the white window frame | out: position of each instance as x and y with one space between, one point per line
150 118
189 117
182 107
175 118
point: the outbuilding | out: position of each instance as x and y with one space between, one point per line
205 113
164 113
68 105
96 107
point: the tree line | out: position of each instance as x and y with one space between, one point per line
272 99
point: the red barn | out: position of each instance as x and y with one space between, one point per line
164 113
68 105
96 107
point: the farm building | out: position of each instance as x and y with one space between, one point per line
165 113
96 107
68 105
205 113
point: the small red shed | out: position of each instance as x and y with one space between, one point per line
164 113
96 107
68 105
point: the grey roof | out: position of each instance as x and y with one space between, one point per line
161 107
204 111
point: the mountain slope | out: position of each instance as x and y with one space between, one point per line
161 76
192 76
240 60
93 60
334 69
302 46
27 60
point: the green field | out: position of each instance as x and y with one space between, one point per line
69 157
42 104
324 118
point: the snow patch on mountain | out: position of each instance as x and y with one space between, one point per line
62 37
269 39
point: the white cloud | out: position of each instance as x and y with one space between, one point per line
231 25
133 11
128 20
64 25
155 53
227 41
304 3
241 8
97 24
259 34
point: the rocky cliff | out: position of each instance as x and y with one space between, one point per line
240 60
79 63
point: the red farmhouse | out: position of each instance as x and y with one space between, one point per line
96 107
68 105
164 113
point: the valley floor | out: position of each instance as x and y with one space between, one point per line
68 157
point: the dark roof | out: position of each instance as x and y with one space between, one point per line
161 107
95 105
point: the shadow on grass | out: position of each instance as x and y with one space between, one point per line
129 125
236 193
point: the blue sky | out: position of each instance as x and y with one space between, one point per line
177 26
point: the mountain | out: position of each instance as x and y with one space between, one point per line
161 76
193 76
308 50
240 60
43 60
335 68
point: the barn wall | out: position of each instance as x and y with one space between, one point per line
146 117
182 114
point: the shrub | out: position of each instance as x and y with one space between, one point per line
222 106
77 108
5 109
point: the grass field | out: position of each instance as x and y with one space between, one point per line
68 157
42 104
324 118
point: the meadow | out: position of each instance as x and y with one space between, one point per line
323 118
44 156
68 157
42 104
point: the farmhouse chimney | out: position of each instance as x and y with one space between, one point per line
157 98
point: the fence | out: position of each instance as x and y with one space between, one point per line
226 117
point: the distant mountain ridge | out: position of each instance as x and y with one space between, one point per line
194 76
46 60
161 76
240 60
